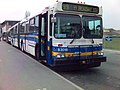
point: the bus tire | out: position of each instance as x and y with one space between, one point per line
22 47
37 52
97 64
12 42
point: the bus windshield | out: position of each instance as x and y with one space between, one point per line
67 26
92 27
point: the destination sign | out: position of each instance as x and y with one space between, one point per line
80 8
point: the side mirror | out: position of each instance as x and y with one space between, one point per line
53 19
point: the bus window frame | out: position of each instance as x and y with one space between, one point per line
80 26
84 28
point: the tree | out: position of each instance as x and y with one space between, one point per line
27 14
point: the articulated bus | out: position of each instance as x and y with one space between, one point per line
67 34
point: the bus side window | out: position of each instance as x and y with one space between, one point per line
43 27
36 29
50 26
16 30
32 25
22 30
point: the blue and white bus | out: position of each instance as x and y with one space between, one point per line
66 34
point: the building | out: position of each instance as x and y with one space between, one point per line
111 32
0 30
7 24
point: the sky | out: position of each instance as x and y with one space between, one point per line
15 9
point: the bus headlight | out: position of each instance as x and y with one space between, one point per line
101 53
60 56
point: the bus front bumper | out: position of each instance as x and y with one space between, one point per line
74 61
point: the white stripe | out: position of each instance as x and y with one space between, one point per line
112 50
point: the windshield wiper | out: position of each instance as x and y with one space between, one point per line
72 41
73 38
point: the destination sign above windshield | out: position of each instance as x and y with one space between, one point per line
80 8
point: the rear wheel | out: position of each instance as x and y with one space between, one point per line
22 47
37 53
12 42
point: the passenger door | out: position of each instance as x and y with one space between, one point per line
43 37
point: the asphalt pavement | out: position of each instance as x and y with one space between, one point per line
106 77
19 71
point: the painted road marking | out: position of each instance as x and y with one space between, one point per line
42 89
112 50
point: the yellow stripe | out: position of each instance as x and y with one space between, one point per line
73 54
22 35
48 47
36 36
88 53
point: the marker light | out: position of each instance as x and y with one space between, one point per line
60 45
100 53
60 56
